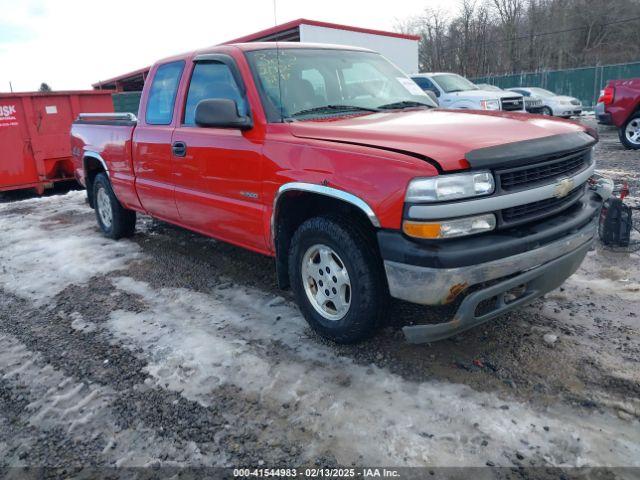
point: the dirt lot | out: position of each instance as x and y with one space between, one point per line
175 350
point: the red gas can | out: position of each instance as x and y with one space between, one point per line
35 147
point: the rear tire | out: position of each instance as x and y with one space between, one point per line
630 132
546 111
337 279
114 220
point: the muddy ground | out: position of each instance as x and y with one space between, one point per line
175 350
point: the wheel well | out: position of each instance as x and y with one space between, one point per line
295 207
92 167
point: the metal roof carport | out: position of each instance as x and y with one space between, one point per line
400 48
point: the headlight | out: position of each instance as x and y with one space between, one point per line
458 227
449 187
490 104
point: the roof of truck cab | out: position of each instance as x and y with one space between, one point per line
252 46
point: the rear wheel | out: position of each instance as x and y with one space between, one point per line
546 111
630 132
114 220
337 279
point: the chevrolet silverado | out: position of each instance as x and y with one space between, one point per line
335 163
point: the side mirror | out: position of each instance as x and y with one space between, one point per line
432 96
221 113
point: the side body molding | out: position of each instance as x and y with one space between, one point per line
322 190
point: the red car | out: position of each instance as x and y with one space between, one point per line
619 105
332 161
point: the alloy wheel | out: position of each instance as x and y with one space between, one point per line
104 208
326 282
632 131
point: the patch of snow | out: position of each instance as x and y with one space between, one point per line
82 411
43 250
194 343
79 323
617 173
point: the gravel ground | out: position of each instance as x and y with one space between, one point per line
175 350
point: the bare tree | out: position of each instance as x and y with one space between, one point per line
506 36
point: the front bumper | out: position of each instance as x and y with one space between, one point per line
565 112
439 286
530 285
535 268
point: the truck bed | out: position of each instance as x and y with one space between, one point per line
106 138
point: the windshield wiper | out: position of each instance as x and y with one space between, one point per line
334 108
403 104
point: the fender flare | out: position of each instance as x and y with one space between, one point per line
95 156
321 190
281 262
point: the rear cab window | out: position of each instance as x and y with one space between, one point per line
162 94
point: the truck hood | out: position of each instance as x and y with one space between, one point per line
443 136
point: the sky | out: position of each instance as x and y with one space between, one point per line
70 44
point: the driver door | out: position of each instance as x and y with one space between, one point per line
218 171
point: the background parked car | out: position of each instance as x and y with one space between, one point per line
454 91
532 104
489 87
553 104
619 105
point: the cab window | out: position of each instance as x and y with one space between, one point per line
211 80
162 94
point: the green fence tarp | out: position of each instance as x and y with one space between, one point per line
126 102
584 83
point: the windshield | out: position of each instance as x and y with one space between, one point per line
541 92
450 82
323 82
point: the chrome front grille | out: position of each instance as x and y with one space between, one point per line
511 103
539 209
529 176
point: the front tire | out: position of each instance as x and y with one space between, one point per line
337 279
114 220
547 111
630 132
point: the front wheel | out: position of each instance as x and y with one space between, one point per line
337 279
114 220
630 132
547 111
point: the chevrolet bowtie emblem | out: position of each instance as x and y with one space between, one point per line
563 187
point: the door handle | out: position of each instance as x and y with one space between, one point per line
179 149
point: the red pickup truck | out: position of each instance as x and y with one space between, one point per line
332 161
619 105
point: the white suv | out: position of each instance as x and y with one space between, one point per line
454 91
